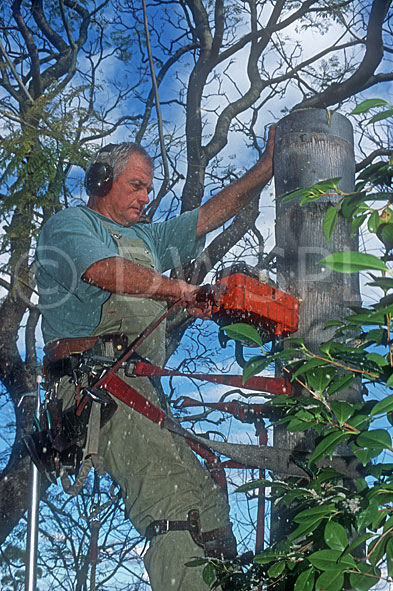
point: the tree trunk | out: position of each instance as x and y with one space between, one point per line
312 145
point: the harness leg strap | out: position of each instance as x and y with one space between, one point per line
217 543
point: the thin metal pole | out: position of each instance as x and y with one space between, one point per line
33 513
260 533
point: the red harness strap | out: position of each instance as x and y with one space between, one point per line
272 385
133 398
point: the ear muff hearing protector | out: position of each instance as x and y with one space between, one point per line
99 176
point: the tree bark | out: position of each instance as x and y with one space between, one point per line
312 145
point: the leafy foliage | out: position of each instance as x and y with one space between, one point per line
62 96
341 535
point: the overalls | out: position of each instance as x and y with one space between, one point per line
159 476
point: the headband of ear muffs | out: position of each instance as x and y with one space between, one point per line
99 176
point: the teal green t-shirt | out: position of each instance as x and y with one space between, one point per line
77 237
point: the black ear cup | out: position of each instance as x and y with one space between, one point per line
98 179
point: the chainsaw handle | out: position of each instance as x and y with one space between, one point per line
210 294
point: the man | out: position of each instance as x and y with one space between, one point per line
99 274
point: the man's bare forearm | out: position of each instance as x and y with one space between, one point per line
118 275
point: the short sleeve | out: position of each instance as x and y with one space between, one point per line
69 243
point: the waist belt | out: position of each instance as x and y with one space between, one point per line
63 348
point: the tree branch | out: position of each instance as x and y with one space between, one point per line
368 160
56 40
31 352
33 53
337 92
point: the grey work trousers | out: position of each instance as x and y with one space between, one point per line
160 478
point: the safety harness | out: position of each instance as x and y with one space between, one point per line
55 446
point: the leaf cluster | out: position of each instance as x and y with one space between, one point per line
341 534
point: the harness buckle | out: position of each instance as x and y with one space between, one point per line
160 527
129 369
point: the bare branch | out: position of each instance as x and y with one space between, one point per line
338 92
31 353
368 160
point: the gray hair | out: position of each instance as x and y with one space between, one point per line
117 156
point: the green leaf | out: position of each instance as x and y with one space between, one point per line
292 195
353 262
374 221
307 365
209 574
197 562
385 234
353 204
330 581
365 579
382 282
327 445
254 366
276 569
377 359
296 425
310 514
330 221
383 406
367 516
335 536
283 400
376 335
389 381
305 529
312 193
320 377
326 474
320 189
266 557
368 317
380 116
380 195
291 496
331 560
359 541
305 581
389 557
378 469
357 222
365 454
377 549
262 483
368 104
339 384
374 439
243 332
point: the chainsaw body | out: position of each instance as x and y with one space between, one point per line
253 302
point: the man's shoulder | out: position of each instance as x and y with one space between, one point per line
71 217
65 215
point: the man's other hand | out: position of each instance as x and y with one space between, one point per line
199 301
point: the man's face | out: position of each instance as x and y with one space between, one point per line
129 194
